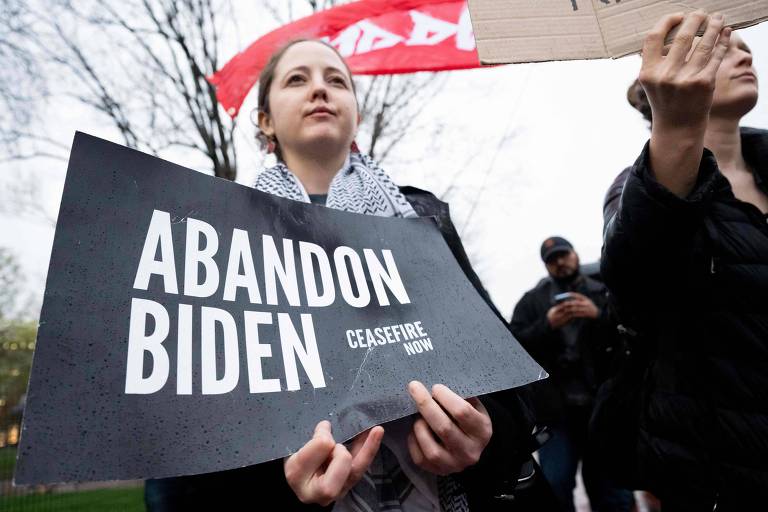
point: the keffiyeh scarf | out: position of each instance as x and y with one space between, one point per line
360 187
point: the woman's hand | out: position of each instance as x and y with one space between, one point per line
451 433
322 471
680 85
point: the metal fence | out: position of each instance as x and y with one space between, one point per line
17 343
99 496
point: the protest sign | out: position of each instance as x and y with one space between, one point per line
508 31
191 324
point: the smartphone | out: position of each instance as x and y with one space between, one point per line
563 297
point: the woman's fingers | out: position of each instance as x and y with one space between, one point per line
302 465
416 454
363 449
442 424
718 54
322 470
364 441
468 417
653 47
323 428
304 468
683 41
451 433
476 403
436 458
703 52
328 486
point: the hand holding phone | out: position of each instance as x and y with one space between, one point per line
559 314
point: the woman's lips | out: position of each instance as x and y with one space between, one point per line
320 112
748 75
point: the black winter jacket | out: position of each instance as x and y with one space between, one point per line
692 275
580 369
263 486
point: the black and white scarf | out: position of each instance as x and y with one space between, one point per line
361 186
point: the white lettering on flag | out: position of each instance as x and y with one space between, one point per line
429 31
365 36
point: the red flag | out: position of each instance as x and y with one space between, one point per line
374 36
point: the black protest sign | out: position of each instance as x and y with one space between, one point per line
191 324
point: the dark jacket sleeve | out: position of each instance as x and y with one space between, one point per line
649 233
530 326
613 196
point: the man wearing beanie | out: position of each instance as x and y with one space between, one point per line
564 324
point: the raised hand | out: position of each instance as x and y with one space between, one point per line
680 84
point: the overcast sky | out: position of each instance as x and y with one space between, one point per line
570 131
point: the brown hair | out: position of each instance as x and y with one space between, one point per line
639 100
267 76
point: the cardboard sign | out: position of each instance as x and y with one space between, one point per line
508 31
191 324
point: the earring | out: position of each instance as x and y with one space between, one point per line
353 147
271 145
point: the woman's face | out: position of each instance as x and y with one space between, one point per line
736 82
311 101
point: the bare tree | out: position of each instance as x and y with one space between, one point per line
21 198
22 86
390 106
143 65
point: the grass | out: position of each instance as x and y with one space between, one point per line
111 500
117 500
7 461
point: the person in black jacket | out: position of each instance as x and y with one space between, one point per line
685 257
564 323
456 454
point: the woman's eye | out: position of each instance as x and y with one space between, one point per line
338 80
295 79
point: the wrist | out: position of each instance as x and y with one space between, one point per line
688 133
675 156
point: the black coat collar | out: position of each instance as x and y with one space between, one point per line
754 146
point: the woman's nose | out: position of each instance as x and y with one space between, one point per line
745 59
319 89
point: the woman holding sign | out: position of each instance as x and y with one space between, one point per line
686 258
458 453
308 115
